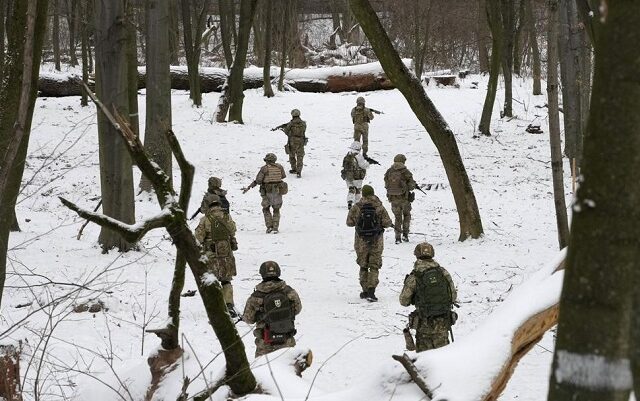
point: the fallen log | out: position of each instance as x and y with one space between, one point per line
10 373
358 78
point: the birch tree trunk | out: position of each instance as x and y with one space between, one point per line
562 223
439 131
494 19
595 336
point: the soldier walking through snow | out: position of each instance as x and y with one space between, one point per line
272 306
370 218
354 169
360 116
296 134
399 183
430 288
272 187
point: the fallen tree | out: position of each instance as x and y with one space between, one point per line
489 355
359 78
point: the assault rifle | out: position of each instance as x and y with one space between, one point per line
375 111
370 160
195 214
281 126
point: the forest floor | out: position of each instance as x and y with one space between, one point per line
88 352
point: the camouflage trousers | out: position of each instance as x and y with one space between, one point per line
432 333
362 131
224 268
296 156
369 258
262 348
271 200
355 187
401 208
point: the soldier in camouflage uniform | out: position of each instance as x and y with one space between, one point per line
295 131
399 183
370 218
268 337
354 169
430 288
215 188
216 232
272 187
361 115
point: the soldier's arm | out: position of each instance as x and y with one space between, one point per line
369 114
259 178
411 184
409 288
386 220
353 115
295 298
352 216
201 230
452 287
250 310
231 225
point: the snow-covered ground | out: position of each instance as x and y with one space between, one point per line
90 352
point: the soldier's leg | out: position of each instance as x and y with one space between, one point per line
406 218
292 160
365 140
266 211
300 159
351 195
276 218
227 292
396 208
358 185
432 334
357 133
374 262
362 256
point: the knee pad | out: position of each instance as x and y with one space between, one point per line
353 190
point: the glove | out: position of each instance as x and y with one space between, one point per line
245 190
234 244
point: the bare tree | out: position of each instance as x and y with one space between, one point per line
535 51
84 44
3 9
268 27
194 16
429 116
227 29
508 35
562 222
482 37
494 18
56 34
518 42
112 86
174 31
72 11
595 354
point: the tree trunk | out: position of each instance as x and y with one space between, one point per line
562 223
507 56
55 37
283 50
236 95
17 100
72 9
495 25
593 346
132 68
84 33
15 226
482 37
2 34
174 32
193 23
266 70
10 389
535 51
158 80
258 34
226 29
112 88
518 39
429 116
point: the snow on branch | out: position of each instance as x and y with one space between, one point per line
130 232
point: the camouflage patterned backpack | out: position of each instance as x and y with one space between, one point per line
394 182
433 295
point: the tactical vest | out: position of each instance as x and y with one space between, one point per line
272 175
395 183
350 165
297 129
219 230
278 315
433 295
360 115
368 225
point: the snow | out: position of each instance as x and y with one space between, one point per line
511 177
593 372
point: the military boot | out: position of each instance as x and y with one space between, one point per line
363 294
349 204
232 311
405 237
292 170
371 295
398 240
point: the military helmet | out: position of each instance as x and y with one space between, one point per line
400 158
215 182
424 250
295 113
211 199
367 190
271 158
360 100
356 146
270 269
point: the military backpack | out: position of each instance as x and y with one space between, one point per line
351 170
219 230
394 182
433 295
297 129
278 316
360 115
368 225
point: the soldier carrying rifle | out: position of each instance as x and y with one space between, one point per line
360 116
295 131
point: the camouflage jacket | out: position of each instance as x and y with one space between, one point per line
409 289
354 212
361 115
222 194
253 308
354 166
398 180
204 230
270 173
296 128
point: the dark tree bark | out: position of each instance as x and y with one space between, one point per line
193 23
158 80
494 17
174 32
508 34
112 88
595 336
429 116
3 8
518 38
283 50
55 37
421 24
562 223
72 10
482 37
132 67
17 100
266 70
84 44
535 51
227 27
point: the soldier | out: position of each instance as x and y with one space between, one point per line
295 131
429 287
370 218
399 183
361 115
216 232
215 188
354 169
273 307
272 187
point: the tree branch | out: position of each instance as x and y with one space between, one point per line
413 372
131 233
187 170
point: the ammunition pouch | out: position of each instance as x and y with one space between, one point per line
287 149
284 188
453 317
412 196
414 320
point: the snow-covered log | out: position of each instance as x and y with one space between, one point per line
10 373
485 359
359 78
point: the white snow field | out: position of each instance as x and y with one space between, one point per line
95 356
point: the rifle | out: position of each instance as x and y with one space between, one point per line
370 160
435 187
376 111
196 213
420 189
281 126
408 339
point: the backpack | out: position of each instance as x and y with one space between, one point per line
368 225
433 295
297 128
394 182
351 170
219 230
278 317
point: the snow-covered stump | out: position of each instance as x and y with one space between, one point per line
10 373
486 358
